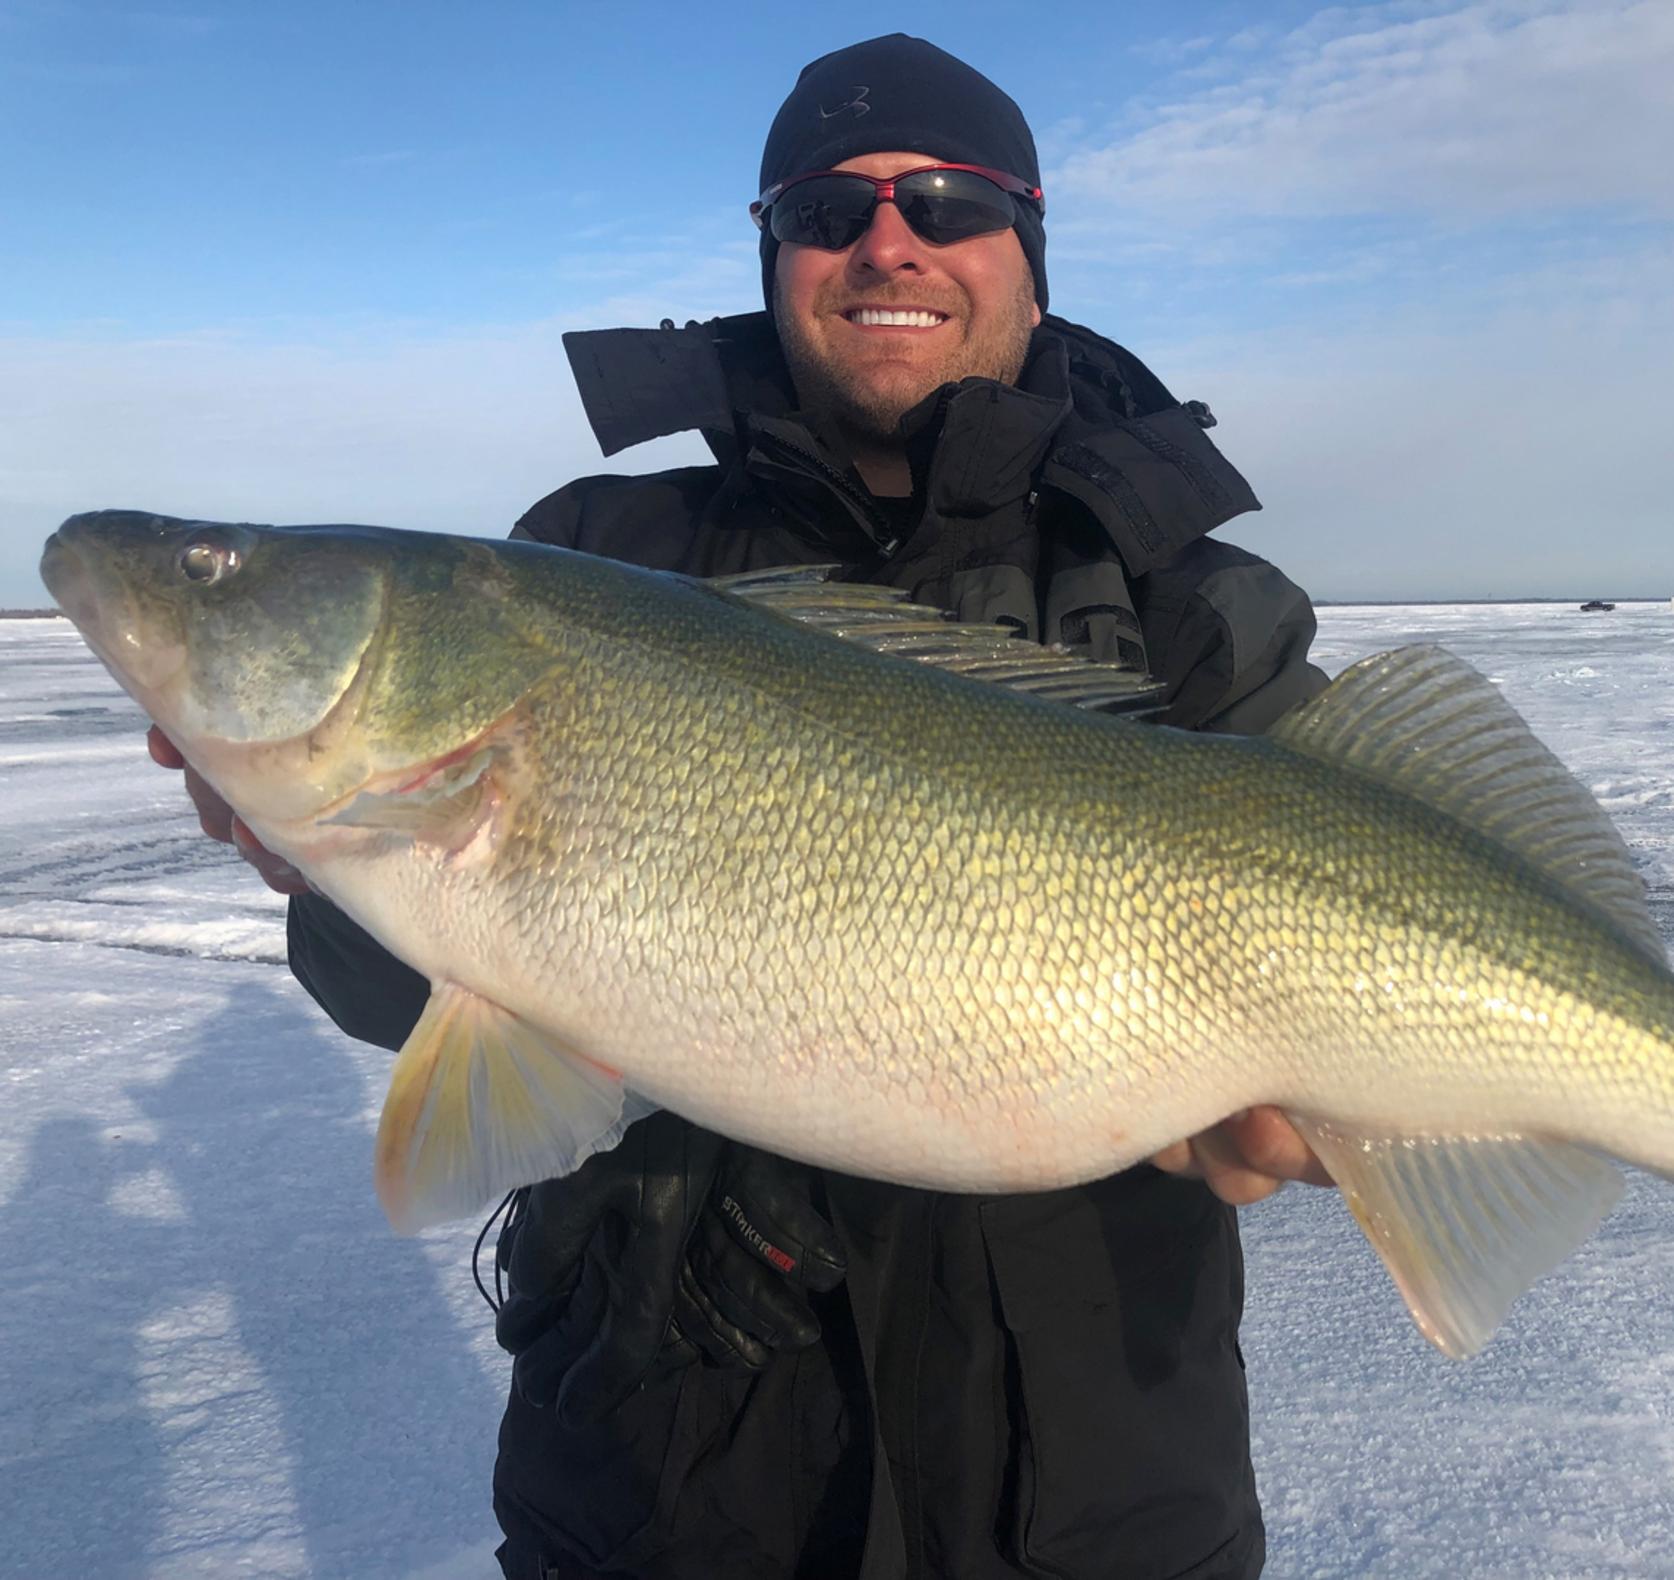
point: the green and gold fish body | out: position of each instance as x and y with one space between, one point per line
656 844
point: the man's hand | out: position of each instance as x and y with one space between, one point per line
219 821
1245 1158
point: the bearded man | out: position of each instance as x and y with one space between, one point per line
728 1365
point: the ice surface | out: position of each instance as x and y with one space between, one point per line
216 1360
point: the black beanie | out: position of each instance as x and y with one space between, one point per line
902 93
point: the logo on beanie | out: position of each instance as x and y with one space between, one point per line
858 104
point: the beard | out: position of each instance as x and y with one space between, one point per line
868 400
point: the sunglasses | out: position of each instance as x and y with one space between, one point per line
942 203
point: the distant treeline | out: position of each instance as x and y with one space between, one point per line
30 614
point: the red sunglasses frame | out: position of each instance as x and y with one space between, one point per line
885 185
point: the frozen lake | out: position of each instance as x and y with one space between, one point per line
217 1360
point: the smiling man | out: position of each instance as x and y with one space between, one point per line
729 1365
870 328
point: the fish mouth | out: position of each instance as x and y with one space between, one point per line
65 574
99 605
75 589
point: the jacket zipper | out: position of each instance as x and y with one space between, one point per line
880 526
861 499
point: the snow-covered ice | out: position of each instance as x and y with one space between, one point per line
216 1360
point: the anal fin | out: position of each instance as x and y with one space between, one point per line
481 1102
1465 1224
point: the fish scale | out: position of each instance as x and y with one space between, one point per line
661 843
714 901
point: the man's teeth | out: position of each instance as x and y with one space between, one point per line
905 317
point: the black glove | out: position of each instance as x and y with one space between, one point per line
676 1243
759 1245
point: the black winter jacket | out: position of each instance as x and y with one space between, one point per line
1044 1385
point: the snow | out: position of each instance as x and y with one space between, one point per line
215 1359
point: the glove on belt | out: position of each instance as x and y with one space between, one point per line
675 1244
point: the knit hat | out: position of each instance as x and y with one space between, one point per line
899 92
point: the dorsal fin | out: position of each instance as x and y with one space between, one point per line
885 620
1428 724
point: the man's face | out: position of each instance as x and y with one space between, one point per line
979 292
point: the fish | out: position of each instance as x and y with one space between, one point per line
836 876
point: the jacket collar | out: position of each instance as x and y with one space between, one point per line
1086 417
977 446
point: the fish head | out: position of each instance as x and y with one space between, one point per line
247 645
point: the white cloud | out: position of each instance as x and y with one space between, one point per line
1168 51
1487 109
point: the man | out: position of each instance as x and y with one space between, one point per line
728 1365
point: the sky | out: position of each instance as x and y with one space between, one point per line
313 262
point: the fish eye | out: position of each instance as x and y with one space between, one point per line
204 561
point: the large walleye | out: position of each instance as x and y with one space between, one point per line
717 848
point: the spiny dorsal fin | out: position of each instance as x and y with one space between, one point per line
1428 724
883 619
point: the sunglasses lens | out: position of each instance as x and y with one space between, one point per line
825 211
943 206
952 205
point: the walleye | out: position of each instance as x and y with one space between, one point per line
723 849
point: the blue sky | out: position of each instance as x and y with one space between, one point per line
312 262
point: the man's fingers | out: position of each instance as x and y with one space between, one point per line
163 751
1246 1158
1240 1187
213 813
1177 1159
1226 1171
220 823
277 873
1268 1143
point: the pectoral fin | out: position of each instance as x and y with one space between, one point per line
1465 1224
440 807
480 1103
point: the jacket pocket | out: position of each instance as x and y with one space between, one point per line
1129 1419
